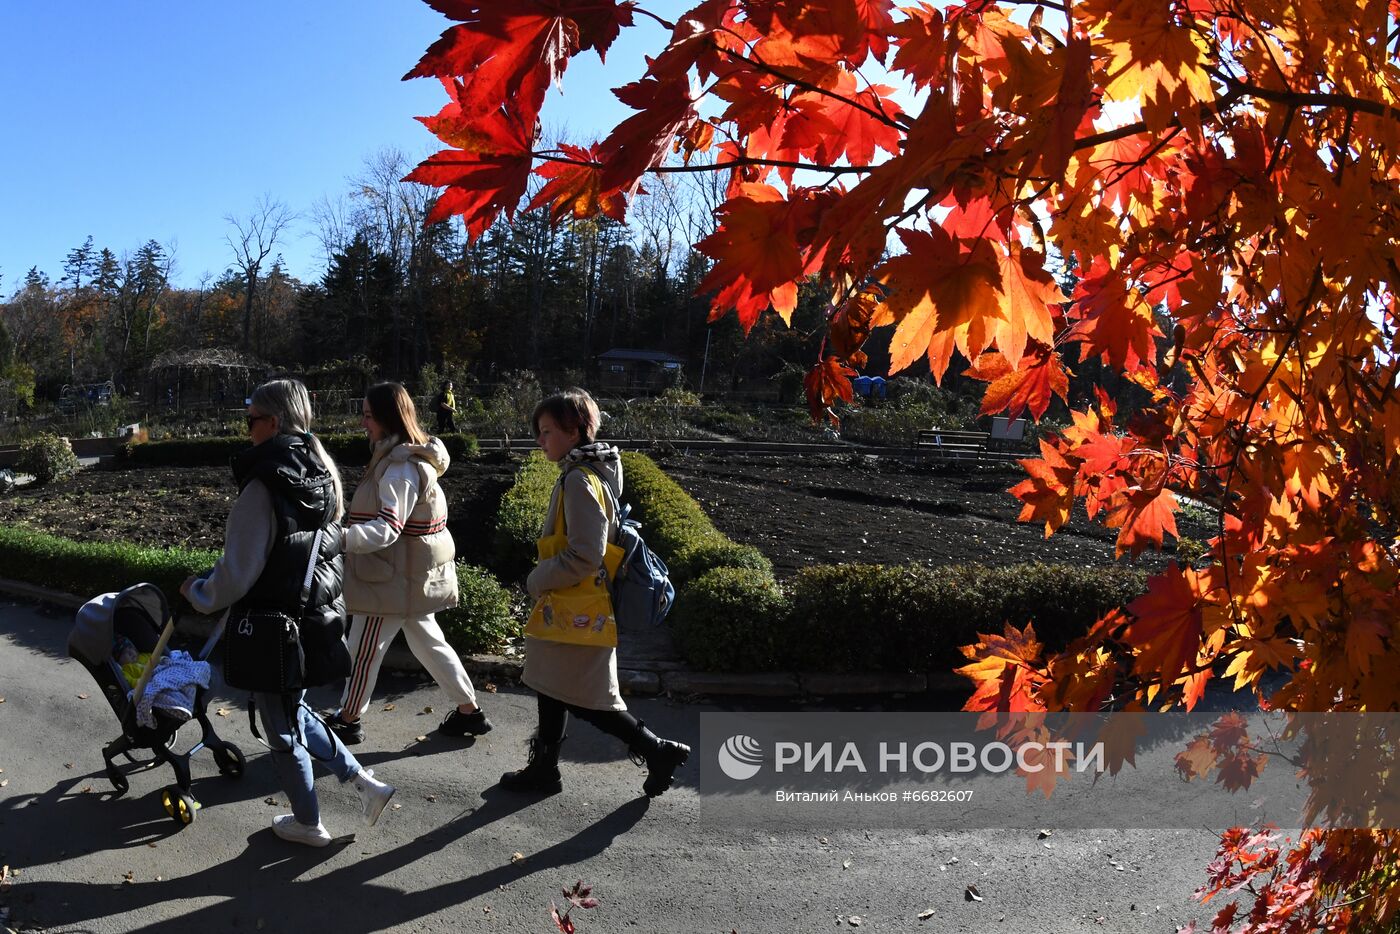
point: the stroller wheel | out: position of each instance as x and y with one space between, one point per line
179 804
230 761
118 780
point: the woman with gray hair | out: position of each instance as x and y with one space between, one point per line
286 519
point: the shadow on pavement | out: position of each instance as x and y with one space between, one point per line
262 881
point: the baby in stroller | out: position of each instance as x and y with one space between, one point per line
121 635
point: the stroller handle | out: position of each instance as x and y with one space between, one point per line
154 660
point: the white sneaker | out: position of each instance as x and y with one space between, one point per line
288 827
374 794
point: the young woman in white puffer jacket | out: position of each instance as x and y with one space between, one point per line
399 567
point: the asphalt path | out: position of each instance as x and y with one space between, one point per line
459 854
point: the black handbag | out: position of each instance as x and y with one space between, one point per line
262 648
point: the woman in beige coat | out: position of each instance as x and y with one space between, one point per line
571 678
399 564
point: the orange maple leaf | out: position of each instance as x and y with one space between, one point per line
757 261
1005 670
937 287
1014 391
1048 493
1030 299
1142 518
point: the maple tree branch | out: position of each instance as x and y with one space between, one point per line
1244 429
1309 99
1279 143
715 166
815 89
664 23
1132 129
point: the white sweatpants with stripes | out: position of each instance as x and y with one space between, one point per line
369 640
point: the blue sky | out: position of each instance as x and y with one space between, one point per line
154 119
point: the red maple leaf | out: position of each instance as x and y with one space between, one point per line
1142 517
1114 321
481 183
505 54
643 140
1168 622
1048 491
576 189
827 382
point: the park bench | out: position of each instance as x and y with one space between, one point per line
940 442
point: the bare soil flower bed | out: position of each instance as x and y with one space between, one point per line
799 511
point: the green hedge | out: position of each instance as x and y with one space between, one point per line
673 524
90 568
482 620
347 449
521 515
863 618
732 619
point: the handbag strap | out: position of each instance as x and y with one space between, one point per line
616 516
310 572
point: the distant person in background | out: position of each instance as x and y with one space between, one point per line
568 675
399 564
446 407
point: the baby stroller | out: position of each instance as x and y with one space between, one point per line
140 616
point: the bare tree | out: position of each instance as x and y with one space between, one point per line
252 241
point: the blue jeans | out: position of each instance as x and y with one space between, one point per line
291 757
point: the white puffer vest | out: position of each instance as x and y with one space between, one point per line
416 575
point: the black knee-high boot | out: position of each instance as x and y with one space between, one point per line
541 772
660 756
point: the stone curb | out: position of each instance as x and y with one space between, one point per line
652 678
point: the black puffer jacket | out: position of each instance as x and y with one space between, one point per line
303 499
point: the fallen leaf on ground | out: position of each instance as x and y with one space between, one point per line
822 840
82 697
421 739
272 801
431 797
2 700
221 712
428 709
4 782
926 914
67 765
388 707
489 688
398 807
846 864
854 921
516 857
1043 834
972 894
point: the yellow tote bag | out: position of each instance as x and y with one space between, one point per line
581 614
